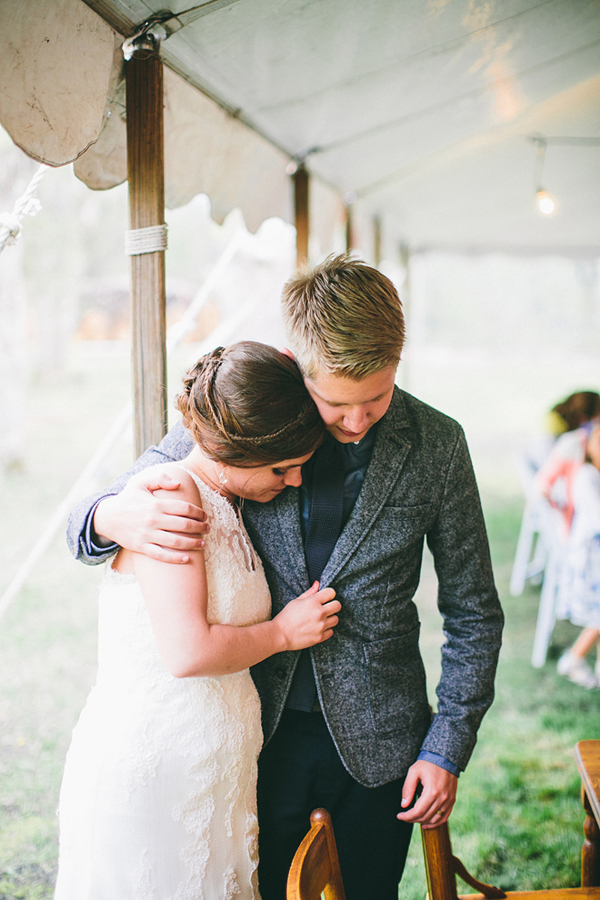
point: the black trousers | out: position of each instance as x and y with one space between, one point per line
300 770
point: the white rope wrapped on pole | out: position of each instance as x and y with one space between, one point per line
146 240
27 205
175 335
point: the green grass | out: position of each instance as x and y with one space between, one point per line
47 636
47 650
518 818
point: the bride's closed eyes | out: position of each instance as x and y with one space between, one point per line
278 470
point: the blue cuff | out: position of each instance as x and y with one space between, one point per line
440 761
91 548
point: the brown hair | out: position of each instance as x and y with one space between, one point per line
578 408
246 405
343 318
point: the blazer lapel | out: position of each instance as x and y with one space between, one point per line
294 567
278 526
389 454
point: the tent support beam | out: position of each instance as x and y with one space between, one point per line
377 241
349 229
145 173
406 296
301 213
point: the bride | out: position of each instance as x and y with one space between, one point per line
158 800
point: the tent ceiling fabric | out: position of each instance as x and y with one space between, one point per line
422 108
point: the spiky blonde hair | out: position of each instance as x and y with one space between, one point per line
343 318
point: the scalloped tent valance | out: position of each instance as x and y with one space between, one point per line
63 102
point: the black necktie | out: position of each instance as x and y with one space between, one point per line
324 527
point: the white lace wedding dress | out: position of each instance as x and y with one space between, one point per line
158 800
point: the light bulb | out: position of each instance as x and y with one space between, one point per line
546 204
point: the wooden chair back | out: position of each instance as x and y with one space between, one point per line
315 869
442 867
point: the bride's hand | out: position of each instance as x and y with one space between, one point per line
160 526
309 619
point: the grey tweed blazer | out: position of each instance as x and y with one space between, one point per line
370 677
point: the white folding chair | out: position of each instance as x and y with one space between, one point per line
551 532
538 558
531 553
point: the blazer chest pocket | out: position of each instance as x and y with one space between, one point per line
399 526
396 683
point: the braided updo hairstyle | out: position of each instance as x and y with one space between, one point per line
246 405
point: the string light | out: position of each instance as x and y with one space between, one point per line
545 203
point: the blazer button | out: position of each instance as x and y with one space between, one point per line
280 673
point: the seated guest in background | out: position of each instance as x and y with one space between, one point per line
579 593
579 414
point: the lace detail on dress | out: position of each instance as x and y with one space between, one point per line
177 757
118 578
231 887
143 882
227 523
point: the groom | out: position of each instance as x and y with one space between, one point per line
347 724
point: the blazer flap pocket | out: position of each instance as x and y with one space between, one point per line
396 683
392 650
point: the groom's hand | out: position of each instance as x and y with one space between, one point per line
437 794
166 530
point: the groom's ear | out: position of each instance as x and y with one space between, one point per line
287 352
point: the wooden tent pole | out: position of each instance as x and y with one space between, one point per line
377 241
145 173
301 210
349 229
407 308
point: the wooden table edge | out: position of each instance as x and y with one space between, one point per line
589 770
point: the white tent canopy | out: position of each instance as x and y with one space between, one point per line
423 111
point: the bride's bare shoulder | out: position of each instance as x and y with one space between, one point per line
187 490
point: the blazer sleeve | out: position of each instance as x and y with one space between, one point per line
177 444
473 618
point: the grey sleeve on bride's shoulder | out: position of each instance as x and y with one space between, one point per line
177 444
